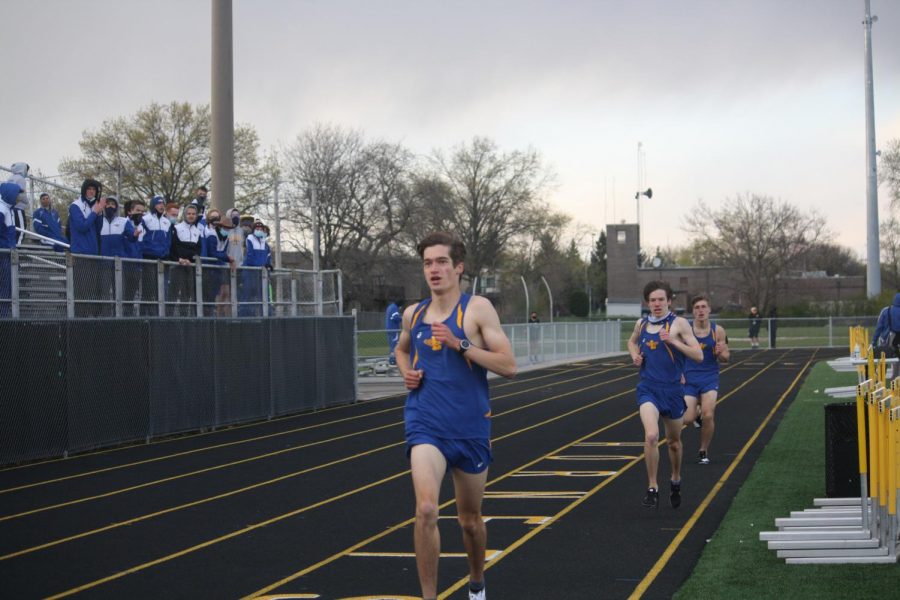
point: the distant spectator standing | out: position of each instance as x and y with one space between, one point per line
393 320
85 222
755 322
887 333
216 279
47 223
9 192
131 271
20 177
156 245
112 244
236 237
199 201
172 213
187 245
258 254
534 337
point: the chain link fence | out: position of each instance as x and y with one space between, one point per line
78 384
53 285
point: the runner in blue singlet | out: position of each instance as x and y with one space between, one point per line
701 381
447 345
659 345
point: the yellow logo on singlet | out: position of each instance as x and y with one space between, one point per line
652 344
435 345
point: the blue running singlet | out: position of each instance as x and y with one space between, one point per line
662 363
452 399
703 376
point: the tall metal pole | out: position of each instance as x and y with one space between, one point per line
873 254
527 303
222 107
277 226
550 294
316 268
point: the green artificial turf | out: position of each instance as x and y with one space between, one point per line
789 474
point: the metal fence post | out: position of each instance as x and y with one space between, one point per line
340 291
234 305
293 296
264 296
70 285
161 288
117 278
198 284
14 283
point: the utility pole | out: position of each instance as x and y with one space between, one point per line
222 107
277 225
873 254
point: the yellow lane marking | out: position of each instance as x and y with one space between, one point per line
283 477
598 444
238 442
489 555
592 457
513 495
676 542
565 473
521 541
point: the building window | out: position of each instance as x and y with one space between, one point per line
620 236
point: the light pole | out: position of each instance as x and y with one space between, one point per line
873 258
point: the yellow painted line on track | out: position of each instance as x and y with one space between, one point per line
531 534
642 587
349 493
270 481
492 494
277 434
260 423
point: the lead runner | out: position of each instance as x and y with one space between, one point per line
447 344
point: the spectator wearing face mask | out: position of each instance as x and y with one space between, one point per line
199 201
112 243
236 237
131 271
9 191
46 222
20 177
187 245
216 279
257 255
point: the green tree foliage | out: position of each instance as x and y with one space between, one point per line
889 171
165 149
758 235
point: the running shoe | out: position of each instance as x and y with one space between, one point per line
651 500
704 459
698 423
479 595
675 494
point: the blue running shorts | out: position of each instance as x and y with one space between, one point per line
668 399
701 385
470 456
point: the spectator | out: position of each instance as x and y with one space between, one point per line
47 223
131 271
187 244
200 202
393 319
84 219
534 338
20 177
755 322
112 243
9 192
172 211
236 238
156 245
257 255
216 280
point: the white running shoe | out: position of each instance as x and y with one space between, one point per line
480 595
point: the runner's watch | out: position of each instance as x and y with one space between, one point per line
463 346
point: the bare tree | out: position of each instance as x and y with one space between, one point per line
758 235
490 198
165 149
889 172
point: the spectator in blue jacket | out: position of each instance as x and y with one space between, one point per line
47 223
84 219
112 230
215 275
257 254
155 245
393 319
9 192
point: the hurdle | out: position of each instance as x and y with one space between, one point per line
861 530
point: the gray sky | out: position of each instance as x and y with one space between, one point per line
727 96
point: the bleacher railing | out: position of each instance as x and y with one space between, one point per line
46 284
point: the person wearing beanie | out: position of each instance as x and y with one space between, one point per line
257 255
84 219
47 223
156 245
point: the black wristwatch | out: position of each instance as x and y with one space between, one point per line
463 346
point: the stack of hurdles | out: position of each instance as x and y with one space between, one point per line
863 529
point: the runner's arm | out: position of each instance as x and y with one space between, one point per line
723 353
402 351
633 348
497 355
684 340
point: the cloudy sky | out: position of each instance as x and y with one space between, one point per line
726 96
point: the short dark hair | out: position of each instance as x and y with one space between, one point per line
658 285
697 298
440 238
202 187
43 194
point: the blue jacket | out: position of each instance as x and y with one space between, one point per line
112 236
9 192
157 242
215 247
258 253
883 327
84 228
47 223
133 244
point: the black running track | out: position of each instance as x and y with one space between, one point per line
318 505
